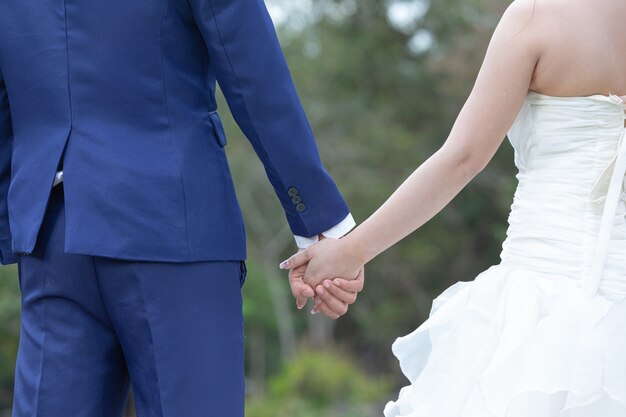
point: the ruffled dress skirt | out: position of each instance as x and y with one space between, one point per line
515 343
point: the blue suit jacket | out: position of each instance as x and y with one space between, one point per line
124 92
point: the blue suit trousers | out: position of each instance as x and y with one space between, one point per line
94 326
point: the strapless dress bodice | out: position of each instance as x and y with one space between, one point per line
568 215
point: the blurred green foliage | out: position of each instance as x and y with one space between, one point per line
9 331
321 382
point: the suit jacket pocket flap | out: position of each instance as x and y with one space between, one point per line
218 128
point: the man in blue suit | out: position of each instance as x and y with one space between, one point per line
117 203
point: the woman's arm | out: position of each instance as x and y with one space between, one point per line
494 102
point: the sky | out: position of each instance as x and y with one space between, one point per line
402 14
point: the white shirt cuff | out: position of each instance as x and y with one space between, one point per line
334 232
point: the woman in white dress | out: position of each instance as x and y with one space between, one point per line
543 333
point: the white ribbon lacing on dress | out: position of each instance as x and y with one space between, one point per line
614 195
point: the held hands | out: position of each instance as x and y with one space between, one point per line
328 272
335 296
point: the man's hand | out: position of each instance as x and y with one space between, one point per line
328 259
335 296
299 289
332 298
333 292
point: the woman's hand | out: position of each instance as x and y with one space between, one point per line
327 259
332 297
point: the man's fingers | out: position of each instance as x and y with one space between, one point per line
348 285
355 285
300 302
299 259
323 308
348 297
300 297
299 289
301 293
333 303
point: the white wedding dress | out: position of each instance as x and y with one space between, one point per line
543 333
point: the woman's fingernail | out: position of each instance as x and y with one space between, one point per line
337 283
284 264
327 284
315 310
320 290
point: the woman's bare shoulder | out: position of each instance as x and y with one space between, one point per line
538 13
581 43
520 27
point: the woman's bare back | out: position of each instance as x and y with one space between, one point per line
584 50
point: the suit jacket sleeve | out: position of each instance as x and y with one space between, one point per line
6 150
251 70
